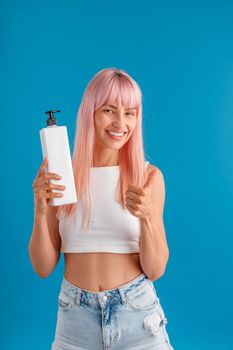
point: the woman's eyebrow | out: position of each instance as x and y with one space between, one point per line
116 107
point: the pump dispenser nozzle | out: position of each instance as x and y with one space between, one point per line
51 120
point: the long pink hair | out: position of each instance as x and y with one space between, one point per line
103 89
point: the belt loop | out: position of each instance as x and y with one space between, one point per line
122 294
78 297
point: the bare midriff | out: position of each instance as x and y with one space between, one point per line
97 272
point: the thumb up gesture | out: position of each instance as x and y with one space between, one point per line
139 199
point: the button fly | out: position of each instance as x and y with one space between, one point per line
105 298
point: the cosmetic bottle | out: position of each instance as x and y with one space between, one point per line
55 145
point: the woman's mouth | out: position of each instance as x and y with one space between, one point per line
116 135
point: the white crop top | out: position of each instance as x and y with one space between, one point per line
112 228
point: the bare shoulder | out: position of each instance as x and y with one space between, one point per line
53 226
158 187
159 175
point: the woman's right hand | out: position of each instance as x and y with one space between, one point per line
42 189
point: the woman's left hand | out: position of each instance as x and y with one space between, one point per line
139 199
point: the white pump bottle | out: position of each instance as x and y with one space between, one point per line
55 145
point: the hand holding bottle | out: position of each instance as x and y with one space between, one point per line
42 188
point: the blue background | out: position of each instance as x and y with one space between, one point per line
181 54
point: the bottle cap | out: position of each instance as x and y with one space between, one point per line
51 119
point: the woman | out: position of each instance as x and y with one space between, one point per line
113 238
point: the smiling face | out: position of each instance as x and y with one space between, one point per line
113 117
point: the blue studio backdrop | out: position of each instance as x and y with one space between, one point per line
181 55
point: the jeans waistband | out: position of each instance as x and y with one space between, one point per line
80 295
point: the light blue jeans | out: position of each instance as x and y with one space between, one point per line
129 317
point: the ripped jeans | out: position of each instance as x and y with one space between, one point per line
125 318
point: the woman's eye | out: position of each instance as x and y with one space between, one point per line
107 110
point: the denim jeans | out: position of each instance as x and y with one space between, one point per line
129 317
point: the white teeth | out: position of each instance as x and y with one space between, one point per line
115 133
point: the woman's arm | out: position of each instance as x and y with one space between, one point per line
154 252
44 245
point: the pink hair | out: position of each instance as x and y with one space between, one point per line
104 88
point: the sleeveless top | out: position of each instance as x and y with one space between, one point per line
112 228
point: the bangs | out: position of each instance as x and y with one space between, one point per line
129 92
